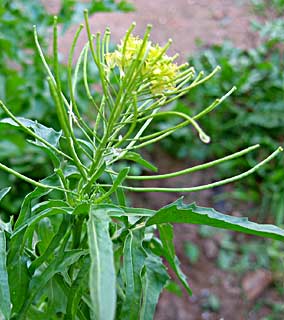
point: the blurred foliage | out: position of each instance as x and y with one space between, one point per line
272 30
23 85
263 7
192 252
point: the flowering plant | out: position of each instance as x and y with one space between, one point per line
77 250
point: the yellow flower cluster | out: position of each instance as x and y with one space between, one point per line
158 68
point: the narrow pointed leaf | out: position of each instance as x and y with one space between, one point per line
136 157
116 183
5 303
133 261
3 192
38 192
102 280
53 245
77 288
3 225
154 280
167 238
178 212
18 270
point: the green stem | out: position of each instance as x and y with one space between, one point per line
66 129
196 168
132 143
202 135
207 186
214 104
31 181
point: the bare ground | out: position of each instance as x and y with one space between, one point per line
185 21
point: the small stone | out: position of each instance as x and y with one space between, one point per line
210 249
206 316
254 283
204 293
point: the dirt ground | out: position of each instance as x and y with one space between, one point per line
187 22
184 21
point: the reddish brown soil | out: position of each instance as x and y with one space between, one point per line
185 21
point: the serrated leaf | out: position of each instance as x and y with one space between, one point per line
133 261
178 212
5 302
153 282
102 280
136 157
167 238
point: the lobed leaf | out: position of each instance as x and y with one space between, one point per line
178 212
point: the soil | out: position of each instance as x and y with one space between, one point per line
189 22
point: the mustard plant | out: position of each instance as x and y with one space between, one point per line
77 250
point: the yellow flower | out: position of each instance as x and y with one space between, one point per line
158 68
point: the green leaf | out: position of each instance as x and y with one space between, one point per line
55 304
116 183
153 282
31 223
59 264
18 270
167 238
178 212
77 289
35 194
102 281
133 261
3 192
5 302
191 250
48 134
5 226
53 245
51 153
136 157
173 288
